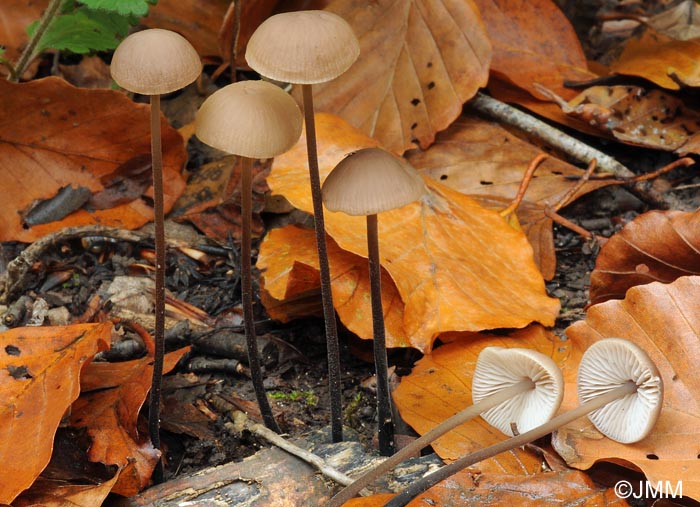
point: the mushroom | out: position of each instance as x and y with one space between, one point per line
153 62
359 185
617 384
252 119
309 47
507 383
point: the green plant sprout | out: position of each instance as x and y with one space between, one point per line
78 27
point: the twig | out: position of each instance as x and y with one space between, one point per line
524 184
569 145
29 52
240 422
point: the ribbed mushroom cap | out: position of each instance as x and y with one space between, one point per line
254 119
302 47
608 364
498 368
370 181
155 61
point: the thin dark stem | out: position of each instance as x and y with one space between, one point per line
247 295
29 52
414 447
333 349
443 473
159 338
381 364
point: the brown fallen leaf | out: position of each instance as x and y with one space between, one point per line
634 115
665 61
457 266
57 493
480 158
40 379
664 320
420 60
53 135
657 246
113 394
568 487
289 260
440 386
533 42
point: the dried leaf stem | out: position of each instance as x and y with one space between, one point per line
30 51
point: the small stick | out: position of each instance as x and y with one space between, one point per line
571 146
524 184
241 422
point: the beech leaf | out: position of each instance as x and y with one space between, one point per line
420 60
40 379
457 266
664 320
53 135
657 246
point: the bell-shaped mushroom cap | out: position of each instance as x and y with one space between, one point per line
302 47
608 364
155 61
254 119
498 368
370 181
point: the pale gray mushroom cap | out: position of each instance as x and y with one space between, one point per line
155 61
608 364
302 47
370 181
498 368
254 119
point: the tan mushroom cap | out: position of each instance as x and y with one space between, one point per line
254 119
371 181
302 47
608 364
155 61
498 368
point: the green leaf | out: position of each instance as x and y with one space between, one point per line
84 31
123 7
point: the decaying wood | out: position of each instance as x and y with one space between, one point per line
273 477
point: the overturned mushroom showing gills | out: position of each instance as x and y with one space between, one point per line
368 182
309 47
252 119
616 382
513 384
154 62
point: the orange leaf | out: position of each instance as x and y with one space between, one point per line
533 42
478 157
289 260
440 386
665 321
662 60
420 60
54 135
41 368
457 266
658 246
59 493
109 412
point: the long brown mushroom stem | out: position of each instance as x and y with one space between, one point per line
159 338
381 364
414 447
429 481
247 295
333 348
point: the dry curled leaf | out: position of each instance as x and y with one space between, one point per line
664 320
53 135
457 265
657 246
40 379
420 60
